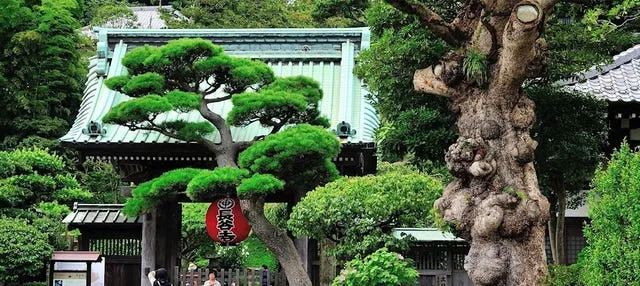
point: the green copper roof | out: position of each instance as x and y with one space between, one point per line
327 55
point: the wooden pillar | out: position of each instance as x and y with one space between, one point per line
327 263
168 234
302 245
148 259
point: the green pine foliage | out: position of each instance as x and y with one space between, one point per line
186 130
398 198
220 182
379 268
612 255
137 110
144 84
283 154
152 193
259 184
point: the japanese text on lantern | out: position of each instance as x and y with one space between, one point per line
225 220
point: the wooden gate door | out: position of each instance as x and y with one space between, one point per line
122 270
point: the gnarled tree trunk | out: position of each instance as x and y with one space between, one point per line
273 237
494 202
276 240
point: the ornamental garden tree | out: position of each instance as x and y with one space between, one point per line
193 75
359 213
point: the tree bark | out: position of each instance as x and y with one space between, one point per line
561 257
276 240
494 202
551 229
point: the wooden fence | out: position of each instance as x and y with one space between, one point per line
226 277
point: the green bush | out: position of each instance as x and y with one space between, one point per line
24 251
612 255
563 275
380 268
259 254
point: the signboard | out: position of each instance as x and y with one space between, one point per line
97 272
69 279
225 222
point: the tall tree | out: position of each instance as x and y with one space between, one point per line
494 202
571 131
195 75
41 77
410 122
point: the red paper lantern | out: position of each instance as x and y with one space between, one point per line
225 222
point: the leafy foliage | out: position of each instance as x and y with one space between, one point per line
24 250
562 275
259 184
30 176
219 182
259 254
612 254
103 181
340 13
410 122
568 150
114 15
475 67
379 268
161 189
241 14
360 212
40 74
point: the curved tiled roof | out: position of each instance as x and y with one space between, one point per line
326 55
99 214
618 81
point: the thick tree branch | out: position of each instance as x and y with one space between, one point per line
217 99
431 19
226 140
518 46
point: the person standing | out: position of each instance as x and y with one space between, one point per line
212 280
159 278
265 275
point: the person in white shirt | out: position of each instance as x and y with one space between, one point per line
212 280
